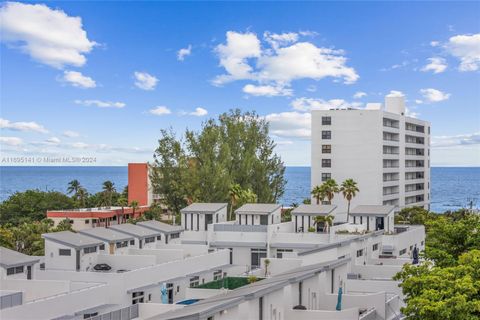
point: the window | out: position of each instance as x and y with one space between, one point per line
375 247
138 297
14 270
64 252
89 249
326 121
194 282
264 220
217 275
326 148
326 134
89 315
150 239
402 252
121 244
159 237
326 176
175 235
102 247
281 251
132 242
359 253
87 221
422 243
326 163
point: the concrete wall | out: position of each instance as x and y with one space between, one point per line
347 314
54 261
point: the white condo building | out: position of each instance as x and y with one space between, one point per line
385 151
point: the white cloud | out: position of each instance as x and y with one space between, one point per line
434 43
410 113
395 93
282 61
199 112
184 52
418 101
160 111
71 134
436 64
22 126
433 95
307 104
311 88
48 36
359 95
53 140
145 81
11 141
77 79
267 90
234 54
290 124
456 140
467 49
101 104
80 145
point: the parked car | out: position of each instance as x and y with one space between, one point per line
102 267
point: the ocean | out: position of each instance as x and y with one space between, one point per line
452 188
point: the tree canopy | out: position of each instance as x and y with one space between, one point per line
234 149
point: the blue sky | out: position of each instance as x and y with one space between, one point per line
101 79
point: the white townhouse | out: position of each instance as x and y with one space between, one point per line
373 217
258 214
304 216
114 242
169 233
197 216
16 265
144 237
67 250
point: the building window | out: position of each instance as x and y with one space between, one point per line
14 270
326 121
264 220
217 275
149 239
359 253
326 148
102 247
89 250
326 163
87 221
326 176
159 237
281 251
132 242
402 252
194 282
89 315
64 252
375 247
138 297
175 235
121 244
422 243
326 134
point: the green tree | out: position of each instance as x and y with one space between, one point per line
73 187
108 192
349 190
433 292
134 206
327 222
32 205
234 192
413 215
319 193
233 149
331 187
82 196
247 196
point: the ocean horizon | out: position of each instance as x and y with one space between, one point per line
451 187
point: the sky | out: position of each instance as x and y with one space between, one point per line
93 83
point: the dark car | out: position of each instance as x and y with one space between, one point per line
102 267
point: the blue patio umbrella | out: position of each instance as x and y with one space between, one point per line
339 299
163 291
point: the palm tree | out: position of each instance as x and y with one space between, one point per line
319 192
326 220
73 187
82 195
331 187
134 205
349 189
234 193
109 190
122 202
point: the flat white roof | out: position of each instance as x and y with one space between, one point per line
314 209
106 234
10 258
203 207
160 226
71 239
374 210
258 208
135 230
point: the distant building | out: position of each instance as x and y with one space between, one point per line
385 151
